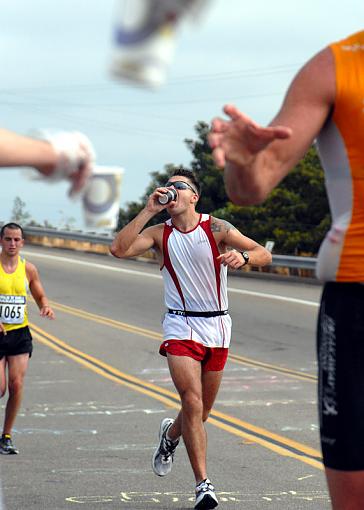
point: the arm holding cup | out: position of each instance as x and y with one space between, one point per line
64 155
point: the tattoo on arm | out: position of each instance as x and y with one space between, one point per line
221 225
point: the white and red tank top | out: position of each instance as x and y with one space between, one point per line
194 280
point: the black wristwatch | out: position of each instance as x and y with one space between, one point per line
245 255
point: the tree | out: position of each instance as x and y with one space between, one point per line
19 214
213 195
295 215
210 178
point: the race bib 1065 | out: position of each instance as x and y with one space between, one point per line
12 309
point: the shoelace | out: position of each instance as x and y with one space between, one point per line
167 448
205 486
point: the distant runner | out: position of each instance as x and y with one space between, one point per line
16 277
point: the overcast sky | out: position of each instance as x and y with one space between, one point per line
54 74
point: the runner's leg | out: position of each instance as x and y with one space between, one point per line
346 489
17 367
2 376
210 386
211 381
186 375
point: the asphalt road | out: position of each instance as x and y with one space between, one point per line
97 389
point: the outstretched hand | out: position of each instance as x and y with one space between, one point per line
238 140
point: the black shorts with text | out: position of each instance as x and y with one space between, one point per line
340 350
16 341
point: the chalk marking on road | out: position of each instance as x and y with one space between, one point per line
93 413
134 272
56 382
305 477
274 442
55 432
232 497
117 447
83 314
101 471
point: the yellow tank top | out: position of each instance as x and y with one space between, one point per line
13 297
341 147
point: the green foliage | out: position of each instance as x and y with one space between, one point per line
19 214
213 195
295 216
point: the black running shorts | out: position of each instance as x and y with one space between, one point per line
16 341
340 350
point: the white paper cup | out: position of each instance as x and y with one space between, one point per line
101 199
144 41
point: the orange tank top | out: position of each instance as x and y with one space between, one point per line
341 147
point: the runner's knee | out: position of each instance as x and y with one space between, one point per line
191 403
15 385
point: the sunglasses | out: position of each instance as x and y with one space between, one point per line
180 185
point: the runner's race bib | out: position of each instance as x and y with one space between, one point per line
12 309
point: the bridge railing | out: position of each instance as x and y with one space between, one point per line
95 242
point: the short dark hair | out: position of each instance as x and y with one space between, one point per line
11 226
183 172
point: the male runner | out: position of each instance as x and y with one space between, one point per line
324 101
16 277
194 251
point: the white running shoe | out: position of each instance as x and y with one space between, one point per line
162 459
205 496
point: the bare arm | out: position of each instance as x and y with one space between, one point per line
132 240
230 236
37 291
66 154
256 158
17 150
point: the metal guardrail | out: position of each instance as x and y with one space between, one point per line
288 261
76 235
294 262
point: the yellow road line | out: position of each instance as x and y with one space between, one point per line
272 368
105 320
274 442
157 336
